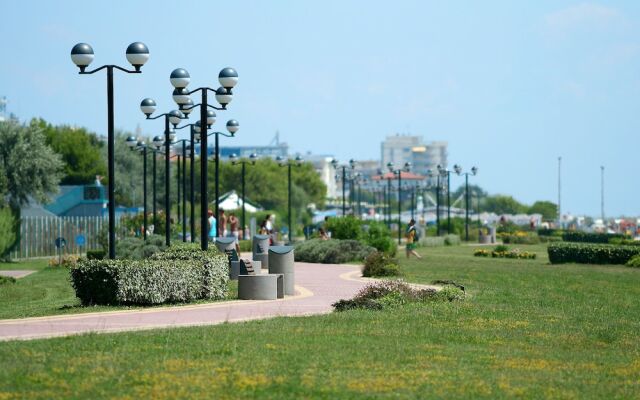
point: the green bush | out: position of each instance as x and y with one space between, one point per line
587 253
378 235
550 232
6 279
7 231
380 264
389 294
587 237
245 246
331 251
182 273
520 237
132 248
634 262
96 254
501 248
344 228
625 242
451 240
432 241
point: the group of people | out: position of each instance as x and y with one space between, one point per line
228 226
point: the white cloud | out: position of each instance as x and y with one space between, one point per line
580 16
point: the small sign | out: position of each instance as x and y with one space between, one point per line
61 242
81 240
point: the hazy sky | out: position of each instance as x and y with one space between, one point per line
511 85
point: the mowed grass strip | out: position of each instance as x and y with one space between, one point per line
528 330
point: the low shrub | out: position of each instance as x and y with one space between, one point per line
66 261
245 246
624 242
378 235
132 248
380 264
331 251
96 254
549 239
588 253
6 280
501 248
520 237
182 273
634 262
451 240
344 228
589 237
389 294
435 241
550 232
515 253
481 253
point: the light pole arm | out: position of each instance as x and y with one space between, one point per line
109 66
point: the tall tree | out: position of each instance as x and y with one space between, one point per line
80 151
501 204
548 209
31 167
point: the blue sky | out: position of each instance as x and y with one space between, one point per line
511 85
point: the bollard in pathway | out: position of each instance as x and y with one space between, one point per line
281 261
261 249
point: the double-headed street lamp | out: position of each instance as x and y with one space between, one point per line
352 165
137 55
243 161
228 78
474 171
288 162
398 172
173 117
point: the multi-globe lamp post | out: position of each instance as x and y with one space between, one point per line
173 117
228 78
82 55
398 173
288 162
243 161
458 169
140 146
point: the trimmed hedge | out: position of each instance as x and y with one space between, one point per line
587 253
587 237
331 251
181 273
380 264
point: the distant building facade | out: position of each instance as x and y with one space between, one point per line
400 149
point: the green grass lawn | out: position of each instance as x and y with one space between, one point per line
528 330
49 292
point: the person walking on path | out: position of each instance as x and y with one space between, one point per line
233 226
213 226
223 224
412 239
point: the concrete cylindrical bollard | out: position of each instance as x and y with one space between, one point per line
281 261
234 271
260 244
257 287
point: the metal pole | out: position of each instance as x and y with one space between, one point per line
289 211
559 192
413 201
167 182
399 206
466 195
344 174
184 191
602 193
111 165
204 240
244 222
155 202
217 163
389 202
144 191
178 184
193 189
449 202
438 204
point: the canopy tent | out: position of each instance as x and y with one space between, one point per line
231 201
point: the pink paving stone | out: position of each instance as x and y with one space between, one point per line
318 286
17 273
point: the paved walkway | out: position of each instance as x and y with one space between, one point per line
17 273
317 287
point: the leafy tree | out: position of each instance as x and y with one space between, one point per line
549 210
502 204
31 167
474 190
80 151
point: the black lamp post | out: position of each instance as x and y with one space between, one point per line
252 160
134 144
474 171
148 107
431 174
183 153
137 55
352 165
398 173
228 78
282 162
445 172
157 144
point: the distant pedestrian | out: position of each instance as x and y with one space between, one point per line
223 224
213 227
233 226
412 237
323 234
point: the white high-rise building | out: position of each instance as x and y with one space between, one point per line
400 149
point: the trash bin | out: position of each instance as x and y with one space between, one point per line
281 261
